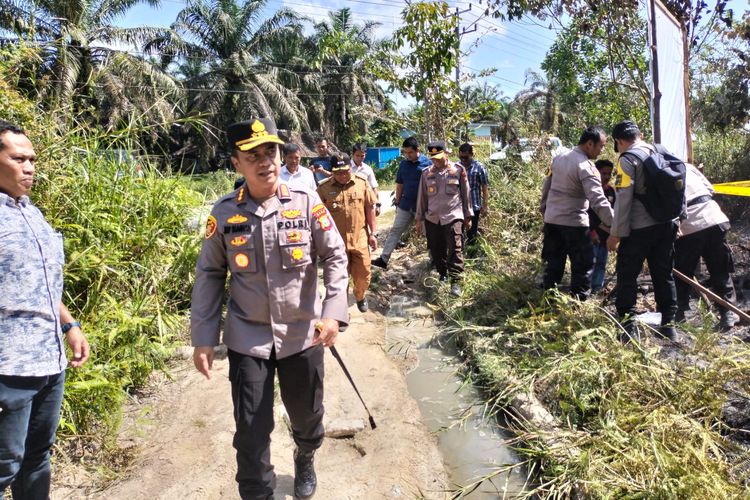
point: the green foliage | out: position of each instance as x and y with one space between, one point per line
129 265
599 79
418 62
387 174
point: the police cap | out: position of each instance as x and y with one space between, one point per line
252 133
436 149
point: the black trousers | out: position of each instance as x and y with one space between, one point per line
655 245
301 385
446 244
471 234
560 243
711 244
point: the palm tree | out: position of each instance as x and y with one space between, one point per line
80 72
349 92
540 89
227 79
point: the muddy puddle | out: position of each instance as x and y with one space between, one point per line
472 444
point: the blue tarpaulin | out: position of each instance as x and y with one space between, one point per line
379 157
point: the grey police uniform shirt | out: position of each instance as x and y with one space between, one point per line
31 286
443 195
271 251
571 187
702 215
629 178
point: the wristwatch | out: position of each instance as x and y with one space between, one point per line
67 326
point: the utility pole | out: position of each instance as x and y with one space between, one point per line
459 33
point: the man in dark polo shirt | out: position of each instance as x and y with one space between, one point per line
407 186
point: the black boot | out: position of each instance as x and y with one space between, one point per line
305 480
668 332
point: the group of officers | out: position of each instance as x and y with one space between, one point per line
584 218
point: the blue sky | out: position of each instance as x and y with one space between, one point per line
510 48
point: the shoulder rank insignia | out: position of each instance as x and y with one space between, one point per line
283 192
237 219
241 194
210 226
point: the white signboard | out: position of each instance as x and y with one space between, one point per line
670 58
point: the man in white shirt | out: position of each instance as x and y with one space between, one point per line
292 172
360 167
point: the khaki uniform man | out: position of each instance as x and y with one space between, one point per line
269 236
444 206
352 203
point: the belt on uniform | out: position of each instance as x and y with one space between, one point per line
700 199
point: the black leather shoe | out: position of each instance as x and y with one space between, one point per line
363 306
379 262
305 480
679 316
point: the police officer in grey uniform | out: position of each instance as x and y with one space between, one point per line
269 236
703 234
571 188
444 206
640 237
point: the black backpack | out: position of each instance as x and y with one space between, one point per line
665 183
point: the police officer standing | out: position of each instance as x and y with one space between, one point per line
351 202
571 188
444 205
269 236
703 234
640 236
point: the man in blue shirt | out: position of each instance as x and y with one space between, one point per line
321 166
34 324
478 187
407 186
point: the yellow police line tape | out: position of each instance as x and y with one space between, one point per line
739 188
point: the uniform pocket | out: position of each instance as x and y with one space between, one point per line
431 188
295 248
451 186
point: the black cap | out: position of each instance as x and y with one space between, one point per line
625 130
339 164
436 149
252 133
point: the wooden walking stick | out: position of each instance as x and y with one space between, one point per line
711 295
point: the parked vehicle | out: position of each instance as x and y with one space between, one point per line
526 148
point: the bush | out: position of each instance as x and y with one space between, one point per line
387 174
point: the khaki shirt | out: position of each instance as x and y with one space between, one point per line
572 186
273 289
443 195
349 205
629 179
702 215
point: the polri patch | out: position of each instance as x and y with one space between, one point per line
320 212
210 226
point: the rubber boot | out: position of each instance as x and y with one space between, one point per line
305 480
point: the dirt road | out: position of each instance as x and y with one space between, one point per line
183 434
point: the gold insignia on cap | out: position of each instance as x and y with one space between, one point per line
258 126
434 150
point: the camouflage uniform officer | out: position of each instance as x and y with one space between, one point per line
269 236
444 204
352 204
